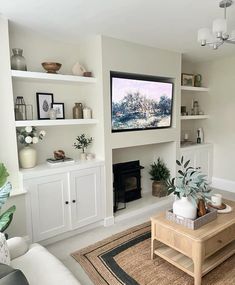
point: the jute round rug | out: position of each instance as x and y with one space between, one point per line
125 259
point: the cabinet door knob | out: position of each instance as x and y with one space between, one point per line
66 202
74 201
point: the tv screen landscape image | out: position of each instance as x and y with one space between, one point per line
140 103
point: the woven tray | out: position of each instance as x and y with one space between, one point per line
192 224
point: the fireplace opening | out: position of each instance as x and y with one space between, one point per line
127 183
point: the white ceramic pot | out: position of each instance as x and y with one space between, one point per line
78 69
83 156
185 208
28 157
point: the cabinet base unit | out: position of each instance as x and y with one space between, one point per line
63 199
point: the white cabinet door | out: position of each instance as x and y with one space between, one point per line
200 157
189 155
85 196
204 161
49 205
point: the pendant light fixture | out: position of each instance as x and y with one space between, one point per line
219 34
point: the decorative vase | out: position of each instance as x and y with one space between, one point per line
198 80
77 111
78 69
17 60
86 113
28 157
52 114
83 156
185 208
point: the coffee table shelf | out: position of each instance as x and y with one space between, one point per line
186 264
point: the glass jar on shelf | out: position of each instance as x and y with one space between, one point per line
20 109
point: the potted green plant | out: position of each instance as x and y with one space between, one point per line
189 186
159 174
82 142
5 189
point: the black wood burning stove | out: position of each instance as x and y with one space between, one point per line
127 183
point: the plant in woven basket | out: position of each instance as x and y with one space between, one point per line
159 173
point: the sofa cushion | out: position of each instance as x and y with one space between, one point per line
42 268
11 276
4 251
17 247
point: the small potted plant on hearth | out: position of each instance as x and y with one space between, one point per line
82 142
191 190
159 174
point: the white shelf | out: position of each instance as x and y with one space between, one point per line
56 122
195 117
197 89
46 169
29 75
196 145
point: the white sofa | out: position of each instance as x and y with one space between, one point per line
39 266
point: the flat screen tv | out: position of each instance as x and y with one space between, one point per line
140 102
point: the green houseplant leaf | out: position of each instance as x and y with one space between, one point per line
6 218
5 193
3 174
189 183
159 171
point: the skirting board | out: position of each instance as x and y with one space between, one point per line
109 221
223 184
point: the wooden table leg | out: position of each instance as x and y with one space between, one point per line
153 240
153 247
198 261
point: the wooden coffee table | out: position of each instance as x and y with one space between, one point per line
196 252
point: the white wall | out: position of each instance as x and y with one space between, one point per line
124 56
8 152
219 75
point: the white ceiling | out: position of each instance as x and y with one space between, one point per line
167 24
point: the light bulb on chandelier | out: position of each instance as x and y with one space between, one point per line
219 34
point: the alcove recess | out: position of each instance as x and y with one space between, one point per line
146 154
65 87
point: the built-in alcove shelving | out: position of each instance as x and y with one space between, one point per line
42 76
64 122
195 117
192 88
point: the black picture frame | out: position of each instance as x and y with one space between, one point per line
44 103
59 107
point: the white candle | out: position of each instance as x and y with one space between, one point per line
186 136
86 113
216 200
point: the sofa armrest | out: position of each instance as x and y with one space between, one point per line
17 247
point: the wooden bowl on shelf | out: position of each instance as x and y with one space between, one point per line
51 67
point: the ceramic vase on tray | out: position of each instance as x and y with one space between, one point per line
185 208
27 157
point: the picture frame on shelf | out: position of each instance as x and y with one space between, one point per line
187 79
44 103
59 108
